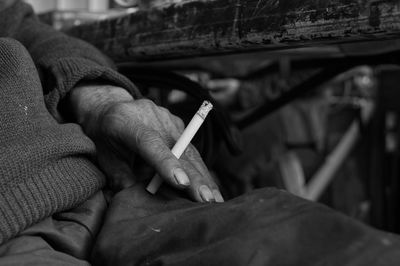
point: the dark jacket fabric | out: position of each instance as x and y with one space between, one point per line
46 166
261 228
266 227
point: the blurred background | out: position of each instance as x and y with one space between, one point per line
66 13
41 6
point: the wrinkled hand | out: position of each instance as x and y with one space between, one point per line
134 136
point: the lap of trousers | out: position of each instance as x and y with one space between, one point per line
264 227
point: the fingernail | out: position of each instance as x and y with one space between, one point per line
217 195
206 194
181 177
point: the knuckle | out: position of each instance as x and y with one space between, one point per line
179 123
189 153
194 175
112 124
166 114
139 136
167 160
170 141
192 153
146 136
164 110
146 103
117 108
168 163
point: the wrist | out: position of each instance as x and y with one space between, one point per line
88 102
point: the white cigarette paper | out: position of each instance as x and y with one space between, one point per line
184 140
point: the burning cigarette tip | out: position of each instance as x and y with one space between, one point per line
205 108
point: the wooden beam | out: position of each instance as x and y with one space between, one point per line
207 27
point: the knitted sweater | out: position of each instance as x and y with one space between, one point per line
46 166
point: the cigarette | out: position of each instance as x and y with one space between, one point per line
184 140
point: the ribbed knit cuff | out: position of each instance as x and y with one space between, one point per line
46 193
68 72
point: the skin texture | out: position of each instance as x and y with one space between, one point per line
134 140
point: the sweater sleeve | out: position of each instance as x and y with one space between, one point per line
62 61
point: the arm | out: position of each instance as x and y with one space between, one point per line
62 61
120 126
